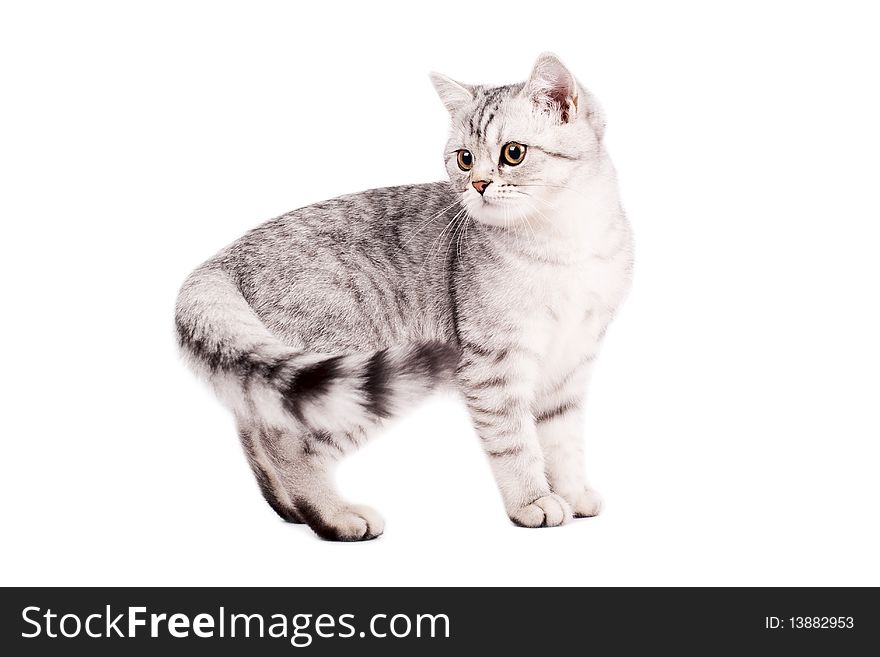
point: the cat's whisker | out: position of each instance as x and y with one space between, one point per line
454 232
551 206
436 240
467 232
550 224
537 210
439 239
424 224
574 190
450 235
524 217
529 224
465 225
432 253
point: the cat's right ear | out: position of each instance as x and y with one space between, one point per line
452 93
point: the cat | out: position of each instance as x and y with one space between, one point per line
319 325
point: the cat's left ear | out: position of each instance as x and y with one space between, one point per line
453 94
552 87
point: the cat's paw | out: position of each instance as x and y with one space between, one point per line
587 504
547 511
354 522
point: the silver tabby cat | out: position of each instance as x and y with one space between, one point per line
319 325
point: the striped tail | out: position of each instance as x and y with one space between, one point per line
261 378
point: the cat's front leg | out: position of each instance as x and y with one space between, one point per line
559 421
498 387
560 432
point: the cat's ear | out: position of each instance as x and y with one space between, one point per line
453 94
552 87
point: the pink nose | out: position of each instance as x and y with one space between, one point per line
481 185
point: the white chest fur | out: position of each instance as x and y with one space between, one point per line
554 287
576 302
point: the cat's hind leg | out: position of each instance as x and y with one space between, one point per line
304 462
252 440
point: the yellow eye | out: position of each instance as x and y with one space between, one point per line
465 160
512 153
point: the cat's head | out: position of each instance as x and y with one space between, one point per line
512 149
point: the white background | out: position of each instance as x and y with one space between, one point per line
733 424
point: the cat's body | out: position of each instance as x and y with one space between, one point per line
320 324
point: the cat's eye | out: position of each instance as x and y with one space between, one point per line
512 153
465 160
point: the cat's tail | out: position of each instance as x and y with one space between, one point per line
260 377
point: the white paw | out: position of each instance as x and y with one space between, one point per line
587 504
547 511
353 523
375 522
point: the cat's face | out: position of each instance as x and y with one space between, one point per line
512 149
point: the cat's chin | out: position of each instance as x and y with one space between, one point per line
495 213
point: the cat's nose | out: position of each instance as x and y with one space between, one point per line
481 185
